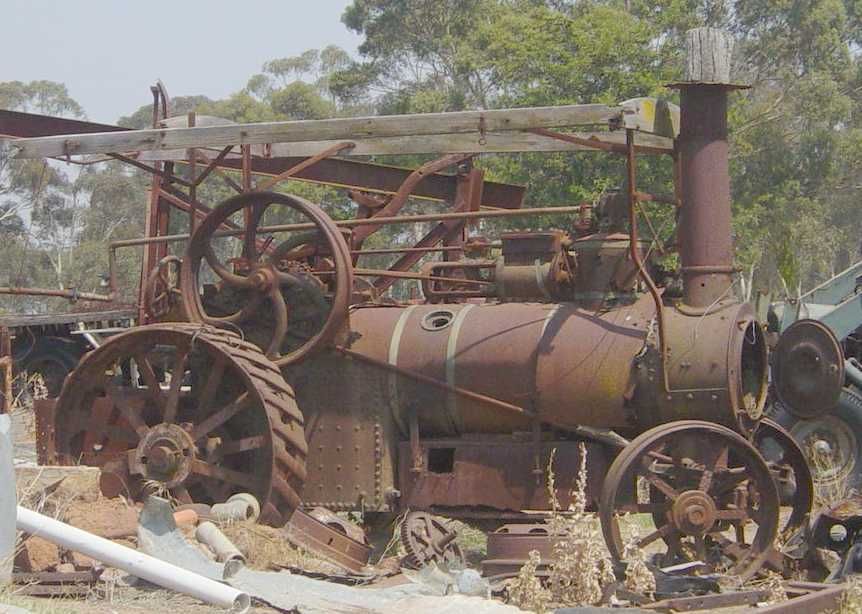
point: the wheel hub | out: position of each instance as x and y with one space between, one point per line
164 454
263 279
694 512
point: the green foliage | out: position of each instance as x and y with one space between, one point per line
143 117
300 100
45 97
795 134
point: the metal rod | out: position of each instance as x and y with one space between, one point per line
443 248
636 257
568 138
69 294
399 219
408 275
193 170
148 168
293 170
211 164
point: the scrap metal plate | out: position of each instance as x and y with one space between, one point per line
808 369
509 548
328 542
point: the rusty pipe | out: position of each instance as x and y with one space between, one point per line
72 295
398 219
445 248
704 229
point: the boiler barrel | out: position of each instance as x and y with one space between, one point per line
569 365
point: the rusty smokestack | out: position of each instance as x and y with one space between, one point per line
704 230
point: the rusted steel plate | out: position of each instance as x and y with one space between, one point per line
497 474
24 125
509 548
56 584
709 602
46 447
826 600
306 531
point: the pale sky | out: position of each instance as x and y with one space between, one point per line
108 52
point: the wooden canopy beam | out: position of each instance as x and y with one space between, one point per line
477 123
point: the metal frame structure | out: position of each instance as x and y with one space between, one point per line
318 151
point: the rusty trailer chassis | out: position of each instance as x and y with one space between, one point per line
284 368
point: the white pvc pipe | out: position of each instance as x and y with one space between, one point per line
135 563
224 549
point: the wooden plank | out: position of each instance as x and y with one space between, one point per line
493 142
347 128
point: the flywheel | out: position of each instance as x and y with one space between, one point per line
188 411
287 292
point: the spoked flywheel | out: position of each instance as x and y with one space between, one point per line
707 491
187 410
287 292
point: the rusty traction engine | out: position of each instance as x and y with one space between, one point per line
293 380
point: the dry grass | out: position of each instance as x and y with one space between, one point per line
772 582
582 566
851 601
266 548
827 492
526 591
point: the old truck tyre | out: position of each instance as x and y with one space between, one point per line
831 442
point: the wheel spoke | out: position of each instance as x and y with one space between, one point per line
220 417
660 533
177 375
279 308
214 378
230 278
224 474
151 382
732 514
245 444
128 412
249 240
711 467
700 547
666 489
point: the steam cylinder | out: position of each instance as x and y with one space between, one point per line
568 365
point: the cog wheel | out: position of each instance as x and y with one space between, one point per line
427 539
